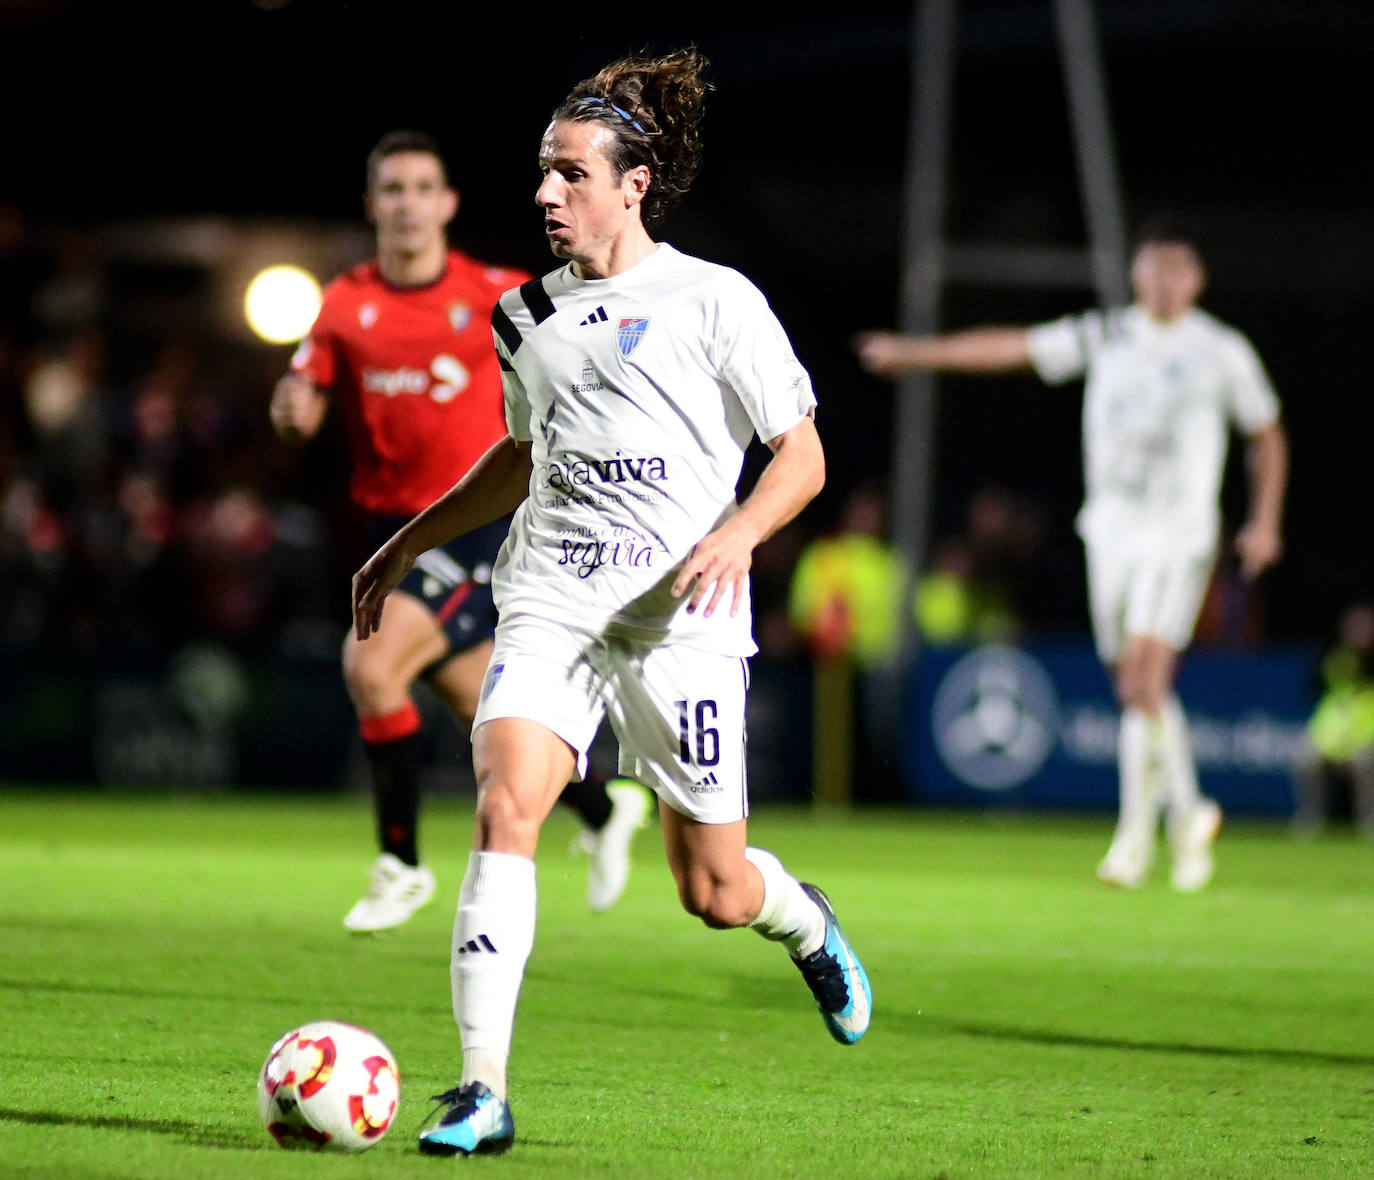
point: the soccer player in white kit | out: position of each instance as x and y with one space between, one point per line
634 379
1166 381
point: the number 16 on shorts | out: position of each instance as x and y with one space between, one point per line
679 715
699 743
712 763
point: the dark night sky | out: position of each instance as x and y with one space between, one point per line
1248 116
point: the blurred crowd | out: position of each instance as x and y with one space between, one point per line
146 509
143 503
851 594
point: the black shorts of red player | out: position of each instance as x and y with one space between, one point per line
454 581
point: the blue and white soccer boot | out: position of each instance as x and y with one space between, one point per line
836 977
471 1121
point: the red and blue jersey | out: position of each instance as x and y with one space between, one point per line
415 376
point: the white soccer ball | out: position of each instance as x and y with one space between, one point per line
328 1086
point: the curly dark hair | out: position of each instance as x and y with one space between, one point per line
654 107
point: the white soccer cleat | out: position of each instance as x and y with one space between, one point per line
396 892
1193 847
609 848
1123 874
1125 865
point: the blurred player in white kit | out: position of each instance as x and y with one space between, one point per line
1165 382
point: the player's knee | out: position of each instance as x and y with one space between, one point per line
1151 700
367 680
505 823
1135 689
1137 696
373 684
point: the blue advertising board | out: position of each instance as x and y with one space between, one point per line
199 718
1036 726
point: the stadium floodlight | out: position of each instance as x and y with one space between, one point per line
281 303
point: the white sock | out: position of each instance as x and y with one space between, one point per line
788 916
493 935
1180 772
1136 751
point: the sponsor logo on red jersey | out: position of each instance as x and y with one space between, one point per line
446 379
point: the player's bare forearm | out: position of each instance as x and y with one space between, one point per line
793 478
297 409
1269 473
495 485
1260 542
976 350
719 563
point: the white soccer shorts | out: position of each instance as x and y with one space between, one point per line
1139 592
677 712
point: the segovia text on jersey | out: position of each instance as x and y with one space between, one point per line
586 556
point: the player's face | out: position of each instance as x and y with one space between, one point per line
586 208
410 203
1168 278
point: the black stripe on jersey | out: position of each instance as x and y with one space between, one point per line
537 300
509 333
505 364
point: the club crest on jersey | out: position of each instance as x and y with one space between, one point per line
367 314
459 315
630 333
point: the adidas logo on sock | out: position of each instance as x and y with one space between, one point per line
597 317
479 945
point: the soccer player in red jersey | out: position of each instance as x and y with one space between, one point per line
402 348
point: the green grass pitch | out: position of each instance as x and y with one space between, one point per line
1028 1022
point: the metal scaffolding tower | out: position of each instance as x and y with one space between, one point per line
930 261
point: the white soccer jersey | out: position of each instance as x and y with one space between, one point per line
1157 411
639 394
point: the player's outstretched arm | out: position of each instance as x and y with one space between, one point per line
976 350
720 561
297 409
1259 543
495 485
